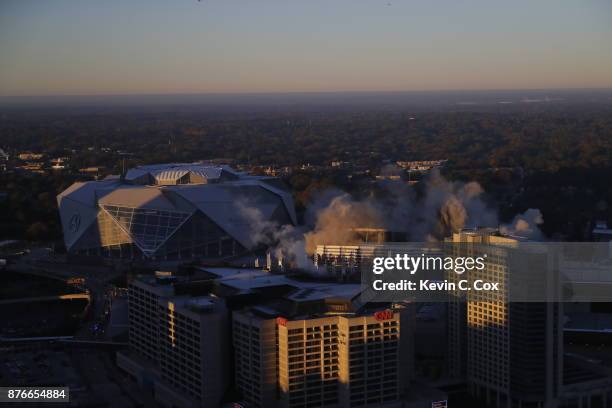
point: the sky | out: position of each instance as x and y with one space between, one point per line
83 47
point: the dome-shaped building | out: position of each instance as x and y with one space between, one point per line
172 211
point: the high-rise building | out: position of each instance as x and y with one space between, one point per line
325 352
178 344
294 342
193 351
143 314
507 345
510 353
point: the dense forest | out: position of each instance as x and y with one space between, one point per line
533 140
559 161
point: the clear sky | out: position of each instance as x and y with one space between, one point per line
51 47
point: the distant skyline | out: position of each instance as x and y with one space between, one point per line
113 47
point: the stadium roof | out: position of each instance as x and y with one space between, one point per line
178 173
168 195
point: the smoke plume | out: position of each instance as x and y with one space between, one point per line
445 207
438 210
286 240
525 225
335 222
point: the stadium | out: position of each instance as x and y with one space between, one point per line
172 212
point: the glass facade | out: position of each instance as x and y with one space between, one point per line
148 227
108 234
155 234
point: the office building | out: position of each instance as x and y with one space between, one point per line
507 344
511 353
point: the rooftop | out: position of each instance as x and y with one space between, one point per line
248 279
179 173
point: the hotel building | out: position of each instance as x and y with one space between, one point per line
275 341
327 353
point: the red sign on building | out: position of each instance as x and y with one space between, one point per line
383 315
281 321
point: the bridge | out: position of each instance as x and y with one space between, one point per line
69 341
70 296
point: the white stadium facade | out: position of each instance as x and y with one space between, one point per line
172 212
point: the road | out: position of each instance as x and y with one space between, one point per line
105 382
